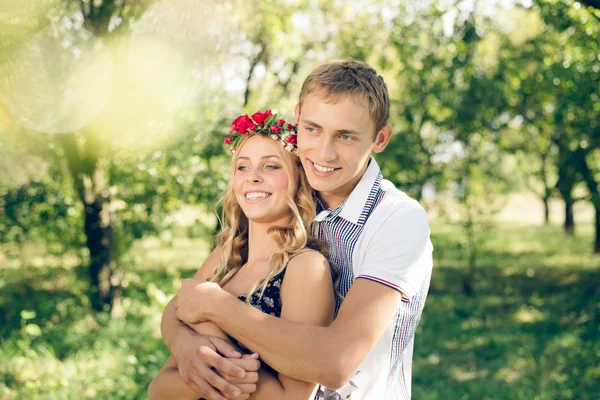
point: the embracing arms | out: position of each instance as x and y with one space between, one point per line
328 355
325 354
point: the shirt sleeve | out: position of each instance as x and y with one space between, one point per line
399 252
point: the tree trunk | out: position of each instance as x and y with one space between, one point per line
546 211
597 223
592 185
569 220
99 240
567 178
89 177
469 281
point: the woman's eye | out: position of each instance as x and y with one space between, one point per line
271 167
242 168
311 129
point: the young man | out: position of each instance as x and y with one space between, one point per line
377 235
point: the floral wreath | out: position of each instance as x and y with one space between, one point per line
265 123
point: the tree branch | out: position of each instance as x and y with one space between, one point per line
257 59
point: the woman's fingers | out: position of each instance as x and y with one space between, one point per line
250 378
248 364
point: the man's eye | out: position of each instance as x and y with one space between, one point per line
346 137
311 129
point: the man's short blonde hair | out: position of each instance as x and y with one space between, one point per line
353 78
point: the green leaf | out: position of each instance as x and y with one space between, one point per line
237 141
33 330
270 119
28 314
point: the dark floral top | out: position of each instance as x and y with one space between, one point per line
270 303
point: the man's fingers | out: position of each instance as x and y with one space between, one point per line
225 348
249 364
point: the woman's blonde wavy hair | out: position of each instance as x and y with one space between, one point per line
233 237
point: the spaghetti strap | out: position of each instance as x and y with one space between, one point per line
304 250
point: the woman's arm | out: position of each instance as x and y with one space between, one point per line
307 296
199 348
168 383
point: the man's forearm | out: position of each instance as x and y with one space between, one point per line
305 352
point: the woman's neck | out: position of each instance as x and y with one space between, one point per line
260 244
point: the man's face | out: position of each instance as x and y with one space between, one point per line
335 141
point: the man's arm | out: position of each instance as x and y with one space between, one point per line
327 355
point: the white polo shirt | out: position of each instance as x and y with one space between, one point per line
381 234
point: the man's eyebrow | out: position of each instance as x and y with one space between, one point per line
306 121
347 131
267 156
338 132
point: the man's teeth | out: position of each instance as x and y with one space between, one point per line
322 169
256 195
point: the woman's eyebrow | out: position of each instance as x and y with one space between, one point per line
267 156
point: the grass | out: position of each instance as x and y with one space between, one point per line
530 332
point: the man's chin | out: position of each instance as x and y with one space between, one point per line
321 186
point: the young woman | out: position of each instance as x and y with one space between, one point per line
264 253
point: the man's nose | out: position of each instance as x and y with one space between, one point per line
327 151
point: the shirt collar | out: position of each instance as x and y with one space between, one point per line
351 209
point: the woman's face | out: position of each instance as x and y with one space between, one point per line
260 181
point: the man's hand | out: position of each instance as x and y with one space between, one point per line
203 362
195 298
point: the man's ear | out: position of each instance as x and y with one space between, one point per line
297 113
382 138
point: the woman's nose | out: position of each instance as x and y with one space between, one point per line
255 177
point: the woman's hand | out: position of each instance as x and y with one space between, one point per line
195 298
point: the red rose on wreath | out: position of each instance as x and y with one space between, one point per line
281 122
291 139
228 140
290 127
242 123
275 129
260 117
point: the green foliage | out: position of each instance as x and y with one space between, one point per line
531 331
